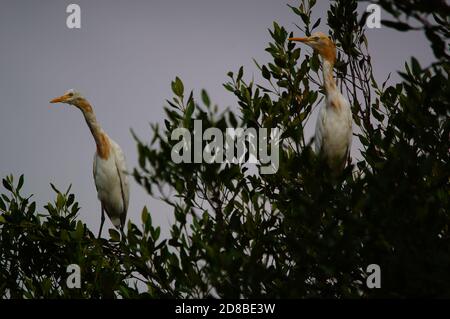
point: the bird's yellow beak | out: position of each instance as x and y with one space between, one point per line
304 40
62 98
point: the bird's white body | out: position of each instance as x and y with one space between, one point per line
333 135
112 184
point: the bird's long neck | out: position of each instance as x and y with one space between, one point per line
328 78
101 140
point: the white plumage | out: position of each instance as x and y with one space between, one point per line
112 184
333 135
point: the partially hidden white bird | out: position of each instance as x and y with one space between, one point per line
333 135
109 165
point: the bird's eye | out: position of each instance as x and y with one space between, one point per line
316 38
70 94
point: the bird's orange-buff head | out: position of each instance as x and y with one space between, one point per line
74 98
321 43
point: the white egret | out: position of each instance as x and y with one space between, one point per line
333 135
109 165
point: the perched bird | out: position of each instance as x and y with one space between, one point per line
109 165
333 136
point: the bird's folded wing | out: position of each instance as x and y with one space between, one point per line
119 159
94 171
319 132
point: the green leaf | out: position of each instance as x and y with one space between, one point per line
70 200
2 204
305 18
190 110
7 185
400 26
314 62
145 215
156 233
52 211
32 208
79 230
178 87
188 115
296 10
60 201
114 234
68 189
417 70
20 184
265 72
75 209
229 87
316 24
54 188
205 98
240 74
65 235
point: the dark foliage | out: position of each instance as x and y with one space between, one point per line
295 233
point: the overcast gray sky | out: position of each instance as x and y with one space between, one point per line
123 59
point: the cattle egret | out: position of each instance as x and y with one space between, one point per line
109 165
333 135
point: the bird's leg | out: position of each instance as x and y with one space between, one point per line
101 222
122 233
